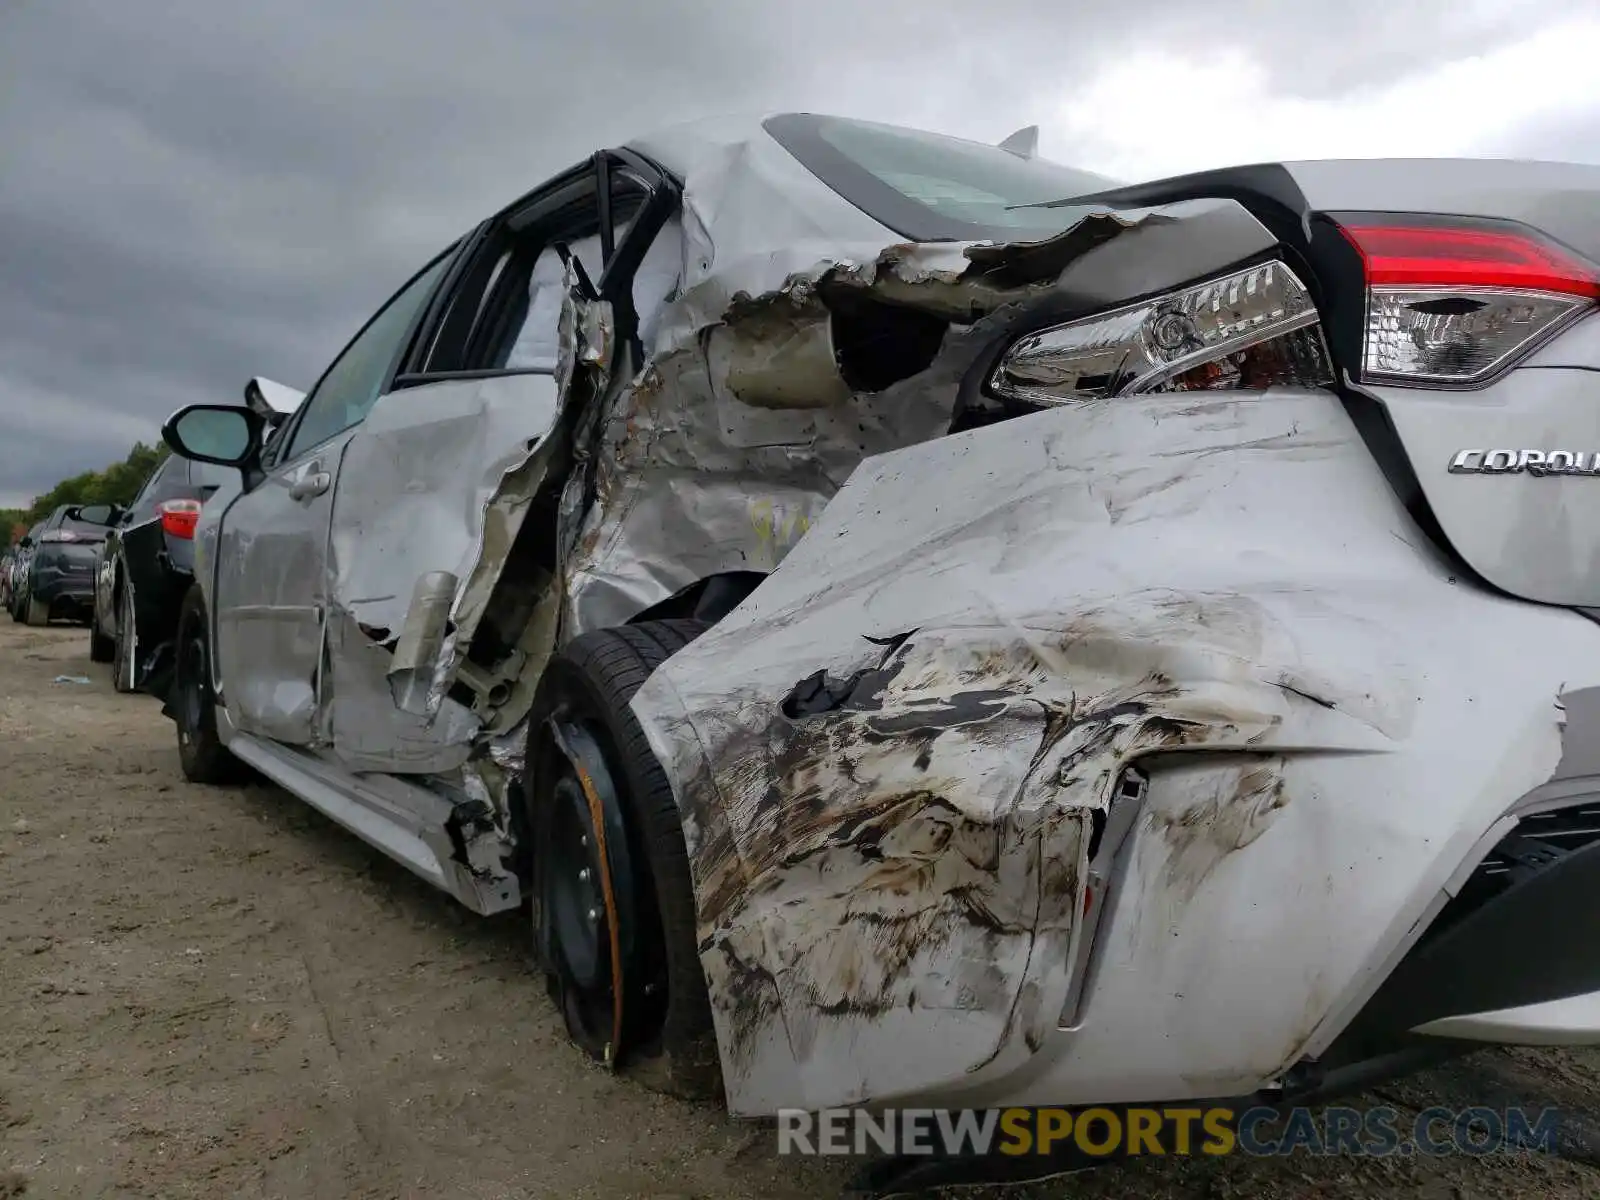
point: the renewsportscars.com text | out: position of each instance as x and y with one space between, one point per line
1103 1132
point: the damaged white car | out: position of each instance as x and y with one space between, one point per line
915 622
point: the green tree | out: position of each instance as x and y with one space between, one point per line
13 524
117 484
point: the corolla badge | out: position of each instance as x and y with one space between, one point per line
1529 462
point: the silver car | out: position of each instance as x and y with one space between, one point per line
917 622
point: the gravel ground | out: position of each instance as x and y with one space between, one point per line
211 992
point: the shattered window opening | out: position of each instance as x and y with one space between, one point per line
521 297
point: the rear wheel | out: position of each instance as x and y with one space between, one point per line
200 752
123 645
38 612
614 909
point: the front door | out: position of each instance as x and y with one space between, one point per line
271 556
271 591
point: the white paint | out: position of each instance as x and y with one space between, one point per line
1241 545
1573 1021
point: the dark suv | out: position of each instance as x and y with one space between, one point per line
56 579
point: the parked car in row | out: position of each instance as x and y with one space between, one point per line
145 566
53 579
20 553
8 559
917 620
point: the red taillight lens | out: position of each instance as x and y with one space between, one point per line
1454 301
1469 256
179 517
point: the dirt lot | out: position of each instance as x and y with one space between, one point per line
217 993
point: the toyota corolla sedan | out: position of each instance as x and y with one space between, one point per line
915 622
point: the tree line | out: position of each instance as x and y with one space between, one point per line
117 484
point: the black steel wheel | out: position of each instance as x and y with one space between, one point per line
613 900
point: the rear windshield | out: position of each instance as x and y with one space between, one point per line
83 531
928 187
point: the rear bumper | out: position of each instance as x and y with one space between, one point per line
158 592
1278 917
67 595
890 866
1514 955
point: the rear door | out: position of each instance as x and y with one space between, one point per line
438 482
270 593
131 529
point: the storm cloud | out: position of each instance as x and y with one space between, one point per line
193 193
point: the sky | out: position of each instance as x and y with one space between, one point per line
192 193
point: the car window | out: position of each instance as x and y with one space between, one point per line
351 386
84 531
157 477
929 187
144 490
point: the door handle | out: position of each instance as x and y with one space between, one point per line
313 483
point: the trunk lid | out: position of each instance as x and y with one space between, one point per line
1531 533
1508 462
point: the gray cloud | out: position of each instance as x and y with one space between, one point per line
193 193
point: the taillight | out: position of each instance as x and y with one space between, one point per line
1455 301
1254 328
179 517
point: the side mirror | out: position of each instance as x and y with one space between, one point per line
26 543
224 434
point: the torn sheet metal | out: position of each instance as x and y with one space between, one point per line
717 456
742 407
422 643
360 720
745 411
889 873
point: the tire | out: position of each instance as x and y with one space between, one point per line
200 752
38 613
101 648
122 668
592 681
